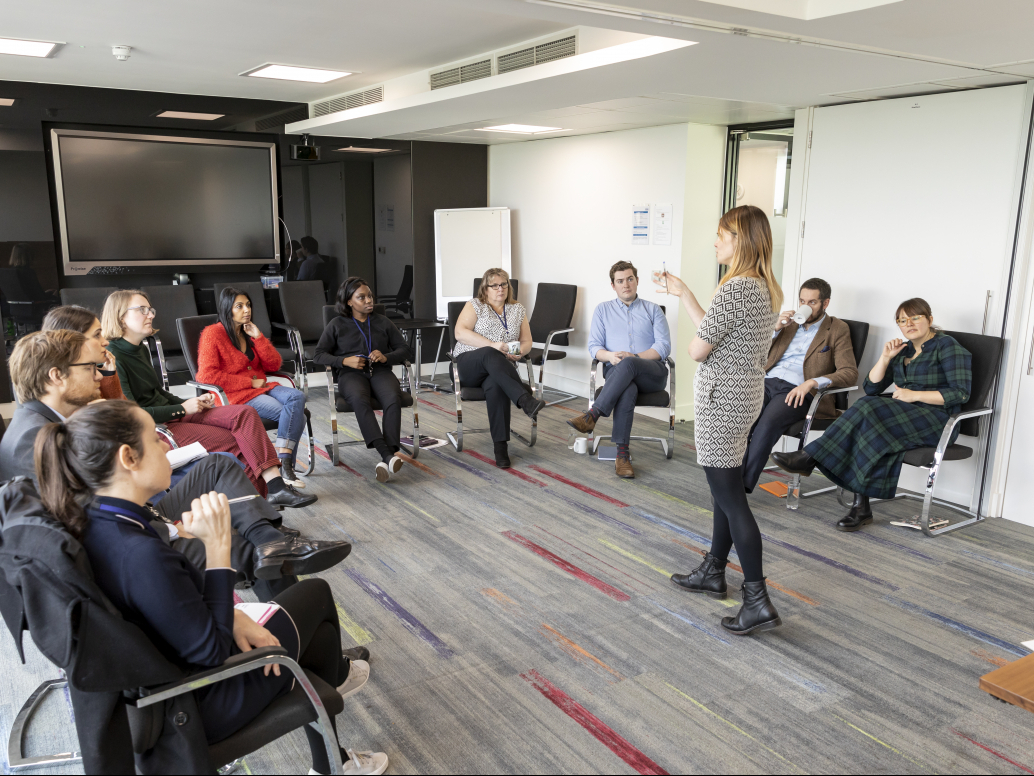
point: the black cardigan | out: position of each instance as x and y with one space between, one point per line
342 339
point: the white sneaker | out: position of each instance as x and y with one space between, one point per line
395 464
382 471
358 675
373 763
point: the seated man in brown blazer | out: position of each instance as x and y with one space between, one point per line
802 359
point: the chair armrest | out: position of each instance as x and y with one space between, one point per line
945 440
235 665
810 417
161 360
162 429
212 389
284 376
593 372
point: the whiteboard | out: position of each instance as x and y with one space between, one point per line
468 241
917 197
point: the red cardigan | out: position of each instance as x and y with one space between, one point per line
220 363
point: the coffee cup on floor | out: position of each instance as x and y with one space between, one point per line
581 445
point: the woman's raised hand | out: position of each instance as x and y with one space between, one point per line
674 286
252 330
209 520
892 348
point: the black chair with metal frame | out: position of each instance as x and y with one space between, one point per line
92 299
515 284
260 317
338 403
474 393
170 303
859 336
550 323
302 302
401 300
27 301
655 399
189 330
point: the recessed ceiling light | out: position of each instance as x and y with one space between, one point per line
522 129
292 73
179 114
355 150
6 102
27 48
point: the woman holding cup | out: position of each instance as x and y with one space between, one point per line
492 334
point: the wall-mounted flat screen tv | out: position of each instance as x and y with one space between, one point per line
129 200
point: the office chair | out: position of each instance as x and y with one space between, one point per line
859 336
402 300
189 330
170 303
470 394
302 302
515 284
92 299
655 399
551 320
28 302
260 317
338 403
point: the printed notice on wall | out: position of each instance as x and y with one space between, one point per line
661 224
385 218
640 224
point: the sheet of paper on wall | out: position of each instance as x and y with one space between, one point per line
640 224
662 220
181 456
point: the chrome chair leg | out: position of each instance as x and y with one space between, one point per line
16 759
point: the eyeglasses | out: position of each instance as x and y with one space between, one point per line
910 319
144 311
93 366
498 286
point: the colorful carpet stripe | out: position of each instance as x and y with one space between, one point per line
579 486
511 470
961 627
1023 768
411 623
593 724
829 562
571 569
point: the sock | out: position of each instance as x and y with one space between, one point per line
276 485
383 449
596 415
263 533
622 449
285 456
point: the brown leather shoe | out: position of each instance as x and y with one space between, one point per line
583 424
623 467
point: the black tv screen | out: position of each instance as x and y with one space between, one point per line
140 200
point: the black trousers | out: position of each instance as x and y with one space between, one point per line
358 388
252 520
734 523
775 418
497 375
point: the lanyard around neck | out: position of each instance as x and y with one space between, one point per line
502 318
367 338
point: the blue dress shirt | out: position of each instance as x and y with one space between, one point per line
633 328
791 366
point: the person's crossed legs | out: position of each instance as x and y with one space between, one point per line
775 419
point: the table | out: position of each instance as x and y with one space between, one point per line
418 326
1012 683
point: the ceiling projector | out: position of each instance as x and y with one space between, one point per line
305 152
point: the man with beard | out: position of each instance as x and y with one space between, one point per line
801 360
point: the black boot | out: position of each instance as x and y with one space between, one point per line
502 456
796 463
756 614
708 577
530 405
860 514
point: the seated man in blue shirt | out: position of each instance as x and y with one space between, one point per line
312 267
630 335
802 359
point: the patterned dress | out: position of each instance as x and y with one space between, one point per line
495 327
862 451
729 388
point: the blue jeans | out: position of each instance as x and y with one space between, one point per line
287 406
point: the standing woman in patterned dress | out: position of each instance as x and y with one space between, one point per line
731 344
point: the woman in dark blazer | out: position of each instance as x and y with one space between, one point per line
111 453
363 346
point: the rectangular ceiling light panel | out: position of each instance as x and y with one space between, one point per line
355 150
6 102
27 48
292 73
179 114
804 9
523 129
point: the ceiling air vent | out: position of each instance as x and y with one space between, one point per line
349 101
472 71
537 55
299 113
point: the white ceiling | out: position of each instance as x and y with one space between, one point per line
192 47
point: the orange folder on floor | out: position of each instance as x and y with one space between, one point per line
777 489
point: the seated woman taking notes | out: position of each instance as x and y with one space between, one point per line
864 448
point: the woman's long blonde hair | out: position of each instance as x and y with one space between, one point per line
753 256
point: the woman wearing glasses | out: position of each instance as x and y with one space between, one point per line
492 333
862 451
128 320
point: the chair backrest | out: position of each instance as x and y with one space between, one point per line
189 330
406 286
859 335
987 360
302 302
554 309
171 302
330 312
455 308
259 313
92 299
515 284
20 284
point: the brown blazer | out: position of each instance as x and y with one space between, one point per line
830 355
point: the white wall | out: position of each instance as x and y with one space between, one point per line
572 204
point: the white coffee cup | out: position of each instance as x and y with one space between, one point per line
799 317
581 445
514 347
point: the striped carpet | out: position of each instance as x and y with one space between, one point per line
522 621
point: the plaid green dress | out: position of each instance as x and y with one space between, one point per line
862 451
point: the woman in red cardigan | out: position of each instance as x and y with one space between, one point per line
234 355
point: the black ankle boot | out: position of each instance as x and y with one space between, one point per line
756 614
502 456
860 514
530 405
708 577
